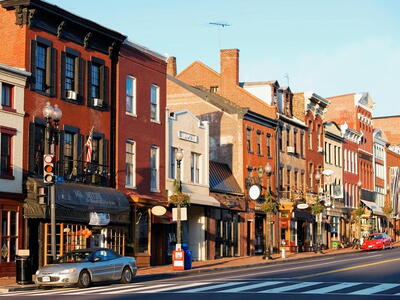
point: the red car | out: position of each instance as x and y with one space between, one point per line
377 241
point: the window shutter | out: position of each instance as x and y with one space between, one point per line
33 65
105 153
53 72
81 80
80 153
63 92
31 148
89 79
105 85
60 166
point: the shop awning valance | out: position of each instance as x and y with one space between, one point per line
302 215
376 209
196 198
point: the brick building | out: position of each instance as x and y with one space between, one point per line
256 146
12 85
72 62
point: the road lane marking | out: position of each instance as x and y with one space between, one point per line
178 287
348 268
375 289
77 290
212 287
121 288
332 288
297 267
290 287
249 287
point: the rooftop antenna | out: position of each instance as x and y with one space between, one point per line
287 78
220 26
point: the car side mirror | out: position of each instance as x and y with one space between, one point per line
96 259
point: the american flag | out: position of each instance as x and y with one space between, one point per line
89 145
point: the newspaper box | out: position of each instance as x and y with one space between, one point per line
178 257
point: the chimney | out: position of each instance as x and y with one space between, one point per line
171 66
229 67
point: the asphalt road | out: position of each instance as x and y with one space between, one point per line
372 275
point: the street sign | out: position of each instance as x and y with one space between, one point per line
59 179
175 214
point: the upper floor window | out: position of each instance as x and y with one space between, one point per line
310 135
302 144
131 95
69 146
155 103
259 142
70 73
195 168
172 163
72 77
248 139
295 142
154 166
287 137
6 95
268 145
319 137
280 142
43 66
95 81
130 163
6 167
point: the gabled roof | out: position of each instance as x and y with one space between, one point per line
213 98
222 180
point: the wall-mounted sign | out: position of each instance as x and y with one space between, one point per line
158 210
188 136
183 214
99 219
302 206
254 192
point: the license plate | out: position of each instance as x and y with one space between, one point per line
370 246
46 279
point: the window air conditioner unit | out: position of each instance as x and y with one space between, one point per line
72 95
97 102
290 149
320 149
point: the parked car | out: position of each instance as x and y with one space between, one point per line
84 266
377 241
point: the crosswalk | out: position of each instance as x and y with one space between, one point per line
261 287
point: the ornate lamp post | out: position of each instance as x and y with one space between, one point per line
178 157
267 246
319 217
52 114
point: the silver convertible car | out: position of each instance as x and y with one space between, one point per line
85 266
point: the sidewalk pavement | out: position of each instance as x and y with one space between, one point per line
8 283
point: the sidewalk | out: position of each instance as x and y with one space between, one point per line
8 283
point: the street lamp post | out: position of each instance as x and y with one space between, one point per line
319 220
178 157
267 247
52 113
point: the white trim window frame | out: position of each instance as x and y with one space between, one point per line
155 103
130 164
130 92
154 169
195 168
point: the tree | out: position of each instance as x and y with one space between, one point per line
387 211
268 206
357 216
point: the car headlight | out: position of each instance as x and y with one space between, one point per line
37 272
67 271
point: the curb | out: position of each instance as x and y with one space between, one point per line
148 277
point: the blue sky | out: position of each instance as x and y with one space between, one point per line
330 47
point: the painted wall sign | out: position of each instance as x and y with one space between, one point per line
188 136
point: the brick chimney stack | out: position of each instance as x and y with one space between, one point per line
229 67
171 66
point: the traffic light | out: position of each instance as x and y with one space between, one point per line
48 168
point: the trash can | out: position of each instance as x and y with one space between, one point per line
188 257
24 270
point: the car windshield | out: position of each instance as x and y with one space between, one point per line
74 257
375 237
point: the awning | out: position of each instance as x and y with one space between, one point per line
376 210
196 198
301 215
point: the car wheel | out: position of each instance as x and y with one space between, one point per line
126 275
84 279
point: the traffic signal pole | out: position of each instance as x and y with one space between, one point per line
53 221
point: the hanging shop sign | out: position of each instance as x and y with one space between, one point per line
99 219
158 210
302 206
254 192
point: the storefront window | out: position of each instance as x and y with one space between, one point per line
142 230
293 231
8 235
335 227
259 241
